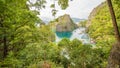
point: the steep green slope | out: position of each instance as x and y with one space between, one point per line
100 24
100 27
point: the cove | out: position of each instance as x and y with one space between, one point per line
78 33
64 34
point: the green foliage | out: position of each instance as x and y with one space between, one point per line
54 11
16 23
52 5
35 53
46 34
82 55
39 4
11 61
63 3
75 43
83 23
29 46
64 42
20 38
24 44
101 28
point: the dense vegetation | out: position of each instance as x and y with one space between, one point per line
25 42
19 32
101 28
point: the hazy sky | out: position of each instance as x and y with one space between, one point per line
77 8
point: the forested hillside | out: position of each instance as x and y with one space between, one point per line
100 26
100 23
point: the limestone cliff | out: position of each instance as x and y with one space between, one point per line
65 23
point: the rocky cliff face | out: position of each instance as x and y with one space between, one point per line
65 24
94 12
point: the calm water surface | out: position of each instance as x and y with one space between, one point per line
78 33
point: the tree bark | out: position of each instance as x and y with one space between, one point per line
117 34
4 40
5 47
113 60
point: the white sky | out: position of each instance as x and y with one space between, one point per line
77 8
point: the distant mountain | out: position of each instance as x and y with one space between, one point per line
46 20
77 20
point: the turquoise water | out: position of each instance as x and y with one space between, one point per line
64 34
76 34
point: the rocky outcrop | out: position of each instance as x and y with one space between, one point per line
65 24
94 12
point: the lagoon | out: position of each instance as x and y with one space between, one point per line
78 33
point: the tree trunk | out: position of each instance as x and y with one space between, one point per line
117 34
115 51
4 40
5 47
